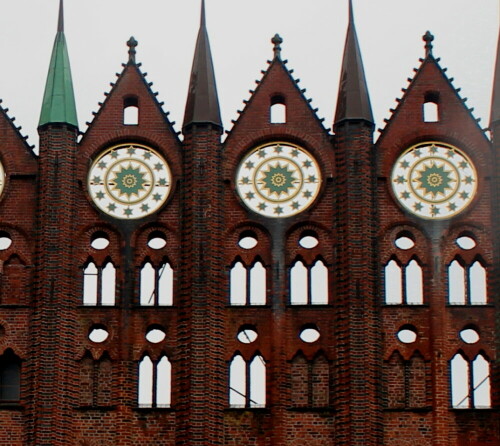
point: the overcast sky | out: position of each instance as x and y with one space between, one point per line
390 34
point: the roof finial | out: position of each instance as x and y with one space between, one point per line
60 25
132 44
202 19
351 13
428 38
277 41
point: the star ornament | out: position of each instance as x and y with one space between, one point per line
129 181
435 180
279 179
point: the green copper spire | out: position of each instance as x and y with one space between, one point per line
59 99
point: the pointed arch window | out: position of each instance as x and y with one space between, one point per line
156 284
470 382
248 284
430 108
309 283
10 377
247 382
403 283
155 381
467 285
99 284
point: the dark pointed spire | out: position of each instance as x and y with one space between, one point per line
59 99
202 105
277 41
353 101
132 45
495 103
428 38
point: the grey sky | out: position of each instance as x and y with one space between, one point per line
389 32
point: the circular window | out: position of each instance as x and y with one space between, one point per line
98 334
308 240
99 240
309 335
5 241
247 335
248 240
404 242
155 335
466 242
157 240
469 335
407 335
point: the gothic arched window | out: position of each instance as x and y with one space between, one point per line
155 380
156 284
99 284
247 382
470 382
248 284
309 283
403 283
467 285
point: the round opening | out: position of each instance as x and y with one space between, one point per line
99 240
308 240
247 335
469 335
5 241
157 240
407 335
309 335
404 242
155 335
98 334
248 240
466 242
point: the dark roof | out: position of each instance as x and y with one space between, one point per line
202 105
353 101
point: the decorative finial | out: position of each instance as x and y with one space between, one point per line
60 24
277 41
428 38
132 44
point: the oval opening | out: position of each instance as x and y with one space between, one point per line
404 242
309 335
469 336
98 334
247 335
465 242
99 240
5 241
407 335
157 240
248 240
308 240
155 335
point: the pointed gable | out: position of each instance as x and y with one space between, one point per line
58 105
353 101
202 106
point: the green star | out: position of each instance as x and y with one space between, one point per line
417 153
114 154
145 207
250 195
294 153
147 155
278 149
162 182
245 180
156 197
278 210
468 180
131 150
96 180
463 164
111 207
433 149
127 212
307 194
279 179
129 181
311 179
249 165
158 166
434 179
452 206
99 195
262 206
102 165
400 179
464 195
295 205
434 210
262 153
418 206
405 164
451 153
307 164
405 195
